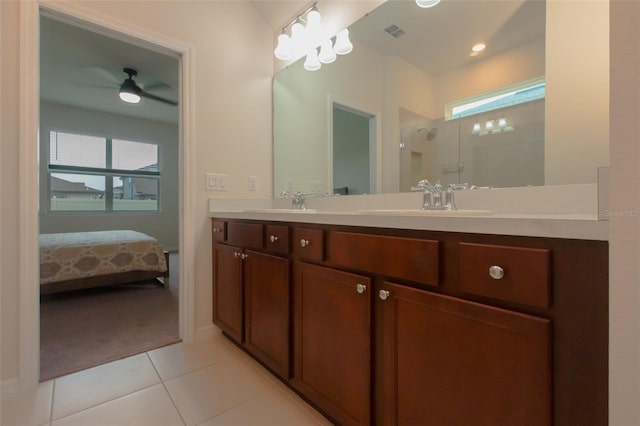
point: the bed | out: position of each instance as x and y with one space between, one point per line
80 260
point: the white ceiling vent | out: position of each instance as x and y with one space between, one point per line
395 31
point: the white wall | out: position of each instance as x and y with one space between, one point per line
624 196
163 224
232 134
302 151
577 103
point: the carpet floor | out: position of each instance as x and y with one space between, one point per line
85 328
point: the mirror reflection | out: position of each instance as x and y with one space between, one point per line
433 108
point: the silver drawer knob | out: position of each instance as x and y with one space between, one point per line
273 238
383 294
496 272
304 243
217 230
361 288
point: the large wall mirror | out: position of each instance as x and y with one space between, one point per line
530 109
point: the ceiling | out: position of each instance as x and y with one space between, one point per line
440 38
83 68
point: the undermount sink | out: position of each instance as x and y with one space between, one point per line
280 211
417 212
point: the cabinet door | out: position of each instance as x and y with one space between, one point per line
332 341
227 290
266 286
447 361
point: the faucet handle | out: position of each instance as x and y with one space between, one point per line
423 185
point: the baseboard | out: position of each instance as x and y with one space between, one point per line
206 332
9 387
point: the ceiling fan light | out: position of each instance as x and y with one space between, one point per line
129 91
343 44
427 3
129 97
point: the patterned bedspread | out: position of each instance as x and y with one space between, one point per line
73 255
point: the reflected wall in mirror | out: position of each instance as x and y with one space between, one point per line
410 83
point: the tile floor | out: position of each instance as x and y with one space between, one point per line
209 383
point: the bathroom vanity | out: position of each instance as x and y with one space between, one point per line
376 320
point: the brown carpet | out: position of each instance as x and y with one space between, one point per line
85 328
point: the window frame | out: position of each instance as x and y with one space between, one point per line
527 84
108 172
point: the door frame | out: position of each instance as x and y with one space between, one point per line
29 289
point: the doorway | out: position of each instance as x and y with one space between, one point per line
179 181
353 146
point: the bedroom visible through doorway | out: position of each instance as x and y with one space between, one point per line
106 166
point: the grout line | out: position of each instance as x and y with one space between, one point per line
166 390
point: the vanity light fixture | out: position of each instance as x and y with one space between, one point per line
491 127
427 3
305 40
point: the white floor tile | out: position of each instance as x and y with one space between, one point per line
88 388
210 391
269 409
181 358
148 407
28 409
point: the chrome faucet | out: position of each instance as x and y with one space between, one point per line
297 199
435 197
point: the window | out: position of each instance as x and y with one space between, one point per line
88 173
511 95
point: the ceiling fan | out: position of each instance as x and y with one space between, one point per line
132 93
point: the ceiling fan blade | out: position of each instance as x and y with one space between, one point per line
156 85
97 86
157 98
104 74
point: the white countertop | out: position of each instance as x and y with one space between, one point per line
583 227
564 211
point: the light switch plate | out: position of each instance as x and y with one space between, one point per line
253 183
216 182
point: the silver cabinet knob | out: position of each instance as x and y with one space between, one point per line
236 254
383 294
304 243
244 256
216 229
361 288
273 238
496 272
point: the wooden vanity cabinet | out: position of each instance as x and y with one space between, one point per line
394 327
251 294
448 361
332 341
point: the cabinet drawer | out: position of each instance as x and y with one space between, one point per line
277 239
309 243
245 235
404 258
520 275
219 230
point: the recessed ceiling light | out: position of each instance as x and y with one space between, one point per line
479 47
